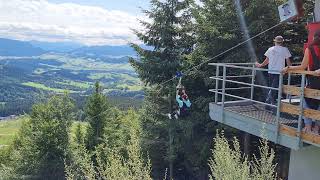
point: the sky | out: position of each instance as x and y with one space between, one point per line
130 6
90 22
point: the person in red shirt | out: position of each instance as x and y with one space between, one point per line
311 60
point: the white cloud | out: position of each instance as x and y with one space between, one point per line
41 20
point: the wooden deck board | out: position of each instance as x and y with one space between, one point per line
313 138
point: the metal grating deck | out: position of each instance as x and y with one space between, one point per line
258 112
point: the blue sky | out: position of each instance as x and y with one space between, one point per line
130 6
90 22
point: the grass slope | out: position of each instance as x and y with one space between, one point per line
43 87
82 85
8 129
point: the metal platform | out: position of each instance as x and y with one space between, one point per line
259 112
236 115
281 125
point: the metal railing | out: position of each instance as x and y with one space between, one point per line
223 89
225 78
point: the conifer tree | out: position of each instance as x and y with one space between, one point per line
43 141
79 134
120 157
170 34
80 165
97 109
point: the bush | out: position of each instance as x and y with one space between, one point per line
228 163
111 164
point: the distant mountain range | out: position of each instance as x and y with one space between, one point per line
61 47
10 47
104 51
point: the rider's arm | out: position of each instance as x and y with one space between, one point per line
179 101
188 103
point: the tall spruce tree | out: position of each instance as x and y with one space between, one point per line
97 109
170 34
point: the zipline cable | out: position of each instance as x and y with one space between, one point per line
216 56
230 49
220 54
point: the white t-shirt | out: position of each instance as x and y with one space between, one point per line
277 58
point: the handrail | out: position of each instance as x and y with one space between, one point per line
237 65
248 84
240 63
223 81
239 88
242 67
241 76
242 98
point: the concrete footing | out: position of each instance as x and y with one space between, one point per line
305 164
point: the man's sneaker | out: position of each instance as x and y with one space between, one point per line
176 116
169 115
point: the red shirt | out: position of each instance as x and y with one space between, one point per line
311 60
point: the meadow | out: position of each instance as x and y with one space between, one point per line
10 128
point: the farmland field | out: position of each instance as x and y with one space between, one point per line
10 128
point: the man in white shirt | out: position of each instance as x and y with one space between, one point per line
276 57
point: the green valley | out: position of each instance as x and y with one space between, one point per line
26 80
